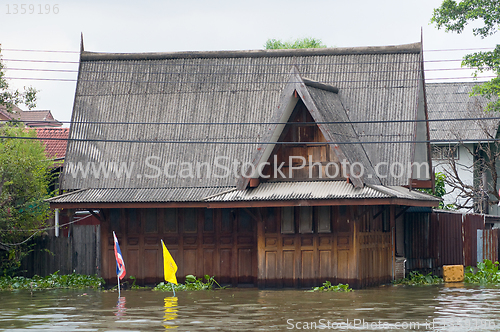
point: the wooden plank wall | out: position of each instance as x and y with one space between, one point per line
220 243
356 249
78 252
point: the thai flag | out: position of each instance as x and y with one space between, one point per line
120 264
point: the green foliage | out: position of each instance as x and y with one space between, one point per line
417 278
440 190
192 283
328 287
487 273
134 286
455 17
52 281
10 98
277 44
24 182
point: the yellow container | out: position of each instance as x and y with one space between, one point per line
453 273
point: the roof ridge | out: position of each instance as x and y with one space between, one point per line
391 49
319 85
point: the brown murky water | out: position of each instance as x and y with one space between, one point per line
429 308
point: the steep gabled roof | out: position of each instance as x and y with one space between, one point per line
220 102
453 101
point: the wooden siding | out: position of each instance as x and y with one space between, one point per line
316 155
77 251
357 250
271 247
219 243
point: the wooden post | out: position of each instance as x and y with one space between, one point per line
393 238
261 254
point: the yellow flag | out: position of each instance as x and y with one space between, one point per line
169 265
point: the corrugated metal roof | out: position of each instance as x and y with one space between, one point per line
137 195
211 87
269 191
452 101
283 191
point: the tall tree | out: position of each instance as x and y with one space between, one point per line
455 17
24 186
308 42
24 180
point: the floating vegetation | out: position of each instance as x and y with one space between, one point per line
52 281
328 287
136 287
192 283
417 278
487 273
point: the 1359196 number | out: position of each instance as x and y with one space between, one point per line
32 9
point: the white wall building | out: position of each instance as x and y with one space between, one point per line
459 123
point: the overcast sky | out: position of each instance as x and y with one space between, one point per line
193 25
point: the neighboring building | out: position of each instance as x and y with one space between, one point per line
459 140
176 119
32 118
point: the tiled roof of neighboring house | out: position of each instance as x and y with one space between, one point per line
453 101
209 88
55 140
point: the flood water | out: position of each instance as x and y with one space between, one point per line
424 308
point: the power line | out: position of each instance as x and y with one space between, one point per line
77 52
239 82
107 140
260 123
221 73
162 62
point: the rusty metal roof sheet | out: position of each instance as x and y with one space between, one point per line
137 195
269 191
312 190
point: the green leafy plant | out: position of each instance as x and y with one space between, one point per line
487 273
417 278
328 287
134 286
52 281
277 44
192 283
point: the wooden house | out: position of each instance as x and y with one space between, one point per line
272 168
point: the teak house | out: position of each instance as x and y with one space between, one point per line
258 167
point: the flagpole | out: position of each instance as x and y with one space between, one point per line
173 288
118 278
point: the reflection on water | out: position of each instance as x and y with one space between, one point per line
170 312
432 308
120 307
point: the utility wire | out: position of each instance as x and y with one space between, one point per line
247 142
259 123
38 231
77 52
237 82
